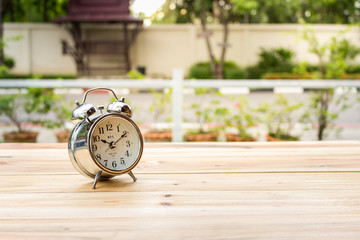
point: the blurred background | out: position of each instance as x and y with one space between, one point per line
227 70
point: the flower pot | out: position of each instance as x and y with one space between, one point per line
274 139
165 136
230 137
23 137
202 137
62 136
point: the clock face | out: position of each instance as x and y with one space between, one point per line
115 143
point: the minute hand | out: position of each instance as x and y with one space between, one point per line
122 136
113 144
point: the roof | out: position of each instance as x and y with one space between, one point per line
98 11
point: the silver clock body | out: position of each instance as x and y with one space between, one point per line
104 145
81 153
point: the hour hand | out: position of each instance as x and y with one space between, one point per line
104 141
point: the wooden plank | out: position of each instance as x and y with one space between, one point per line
249 214
186 191
215 233
183 182
187 158
234 204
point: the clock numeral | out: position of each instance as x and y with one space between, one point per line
96 138
98 157
122 161
114 164
127 153
105 162
125 133
101 130
128 143
94 147
109 127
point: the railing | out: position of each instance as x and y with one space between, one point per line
178 84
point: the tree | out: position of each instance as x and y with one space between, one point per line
34 10
4 4
332 58
208 11
273 11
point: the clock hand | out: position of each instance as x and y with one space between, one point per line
104 141
125 133
113 144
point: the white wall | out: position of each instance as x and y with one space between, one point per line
160 48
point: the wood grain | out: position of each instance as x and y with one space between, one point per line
305 190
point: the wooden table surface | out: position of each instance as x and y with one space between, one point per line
302 190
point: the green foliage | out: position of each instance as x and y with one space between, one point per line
275 57
160 105
353 68
62 111
233 71
243 118
332 58
8 106
36 102
346 48
40 100
333 55
202 70
324 108
214 113
135 75
7 62
43 101
280 117
272 60
269 11
202 114
244 6
3 70
34 10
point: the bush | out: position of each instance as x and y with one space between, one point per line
9 62
275 57
232 71
202 70
355 68
135 75
273 60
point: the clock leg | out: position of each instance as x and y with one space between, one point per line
132 176
96 179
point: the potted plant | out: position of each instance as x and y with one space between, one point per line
242 120
62 113
26 108
10 107
43 101
280 118
159 108
208 119
203 118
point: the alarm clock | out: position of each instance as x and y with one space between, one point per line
104 145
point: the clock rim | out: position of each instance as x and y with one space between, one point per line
89 140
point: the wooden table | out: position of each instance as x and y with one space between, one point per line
302 190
